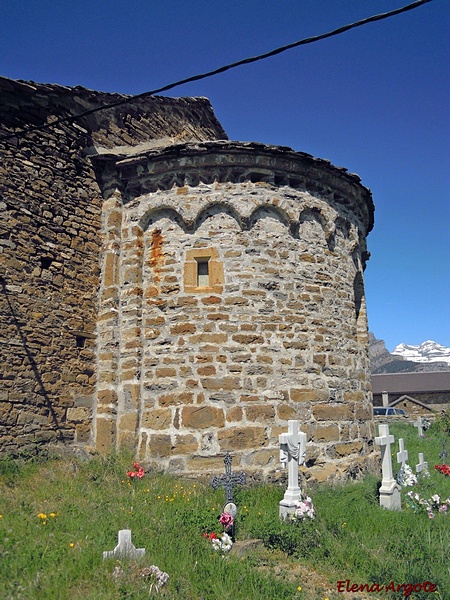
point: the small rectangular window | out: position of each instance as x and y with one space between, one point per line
203 272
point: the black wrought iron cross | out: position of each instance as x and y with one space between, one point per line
443 455
229 480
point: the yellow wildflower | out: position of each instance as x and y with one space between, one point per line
299 589
42 516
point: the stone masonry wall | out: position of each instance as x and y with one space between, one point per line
50 223
188 371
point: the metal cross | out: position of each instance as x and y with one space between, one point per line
229 480
443 455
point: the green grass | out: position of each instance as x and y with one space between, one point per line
86 503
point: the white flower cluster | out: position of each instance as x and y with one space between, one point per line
305 509
431 506
158 577
223 544
406 476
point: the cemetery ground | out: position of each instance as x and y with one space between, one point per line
58 516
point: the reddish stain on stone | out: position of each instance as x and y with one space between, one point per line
156 254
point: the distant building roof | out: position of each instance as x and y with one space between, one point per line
403 383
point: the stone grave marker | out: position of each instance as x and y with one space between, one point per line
419 426
390 496
125 548
402 455
228 481
292 453
422 467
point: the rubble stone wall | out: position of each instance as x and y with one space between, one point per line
174 295
50 223
189 370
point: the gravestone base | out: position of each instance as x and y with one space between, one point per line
390 496
243 548
287 508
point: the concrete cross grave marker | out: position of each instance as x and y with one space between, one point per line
125 548
292 453
402 455
419 426
228 481
422 466
390 497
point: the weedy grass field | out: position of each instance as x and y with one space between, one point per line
59 515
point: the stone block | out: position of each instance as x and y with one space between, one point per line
286 412
261 458
182 328
239 438
209 338
332 412
324 472
159 445
157 418
176 398
363 413
206 370
221 383
201 417
208 300
343 450
128 421
206 464
354 396
83 432
78 415
165 372
126 439
307 395
260 412
234 414
105 435
185 444
326 433
107 396
246 339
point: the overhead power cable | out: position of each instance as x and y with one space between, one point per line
245 61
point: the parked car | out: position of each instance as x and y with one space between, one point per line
388 411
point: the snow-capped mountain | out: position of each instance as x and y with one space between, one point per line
427 352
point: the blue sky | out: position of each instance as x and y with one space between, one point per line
374 100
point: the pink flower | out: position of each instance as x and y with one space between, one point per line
226 520
138 474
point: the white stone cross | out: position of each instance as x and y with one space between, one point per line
125 548
422 466
292 452
418 424
385 440
402 456
390 496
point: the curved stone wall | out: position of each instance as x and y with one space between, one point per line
232 300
